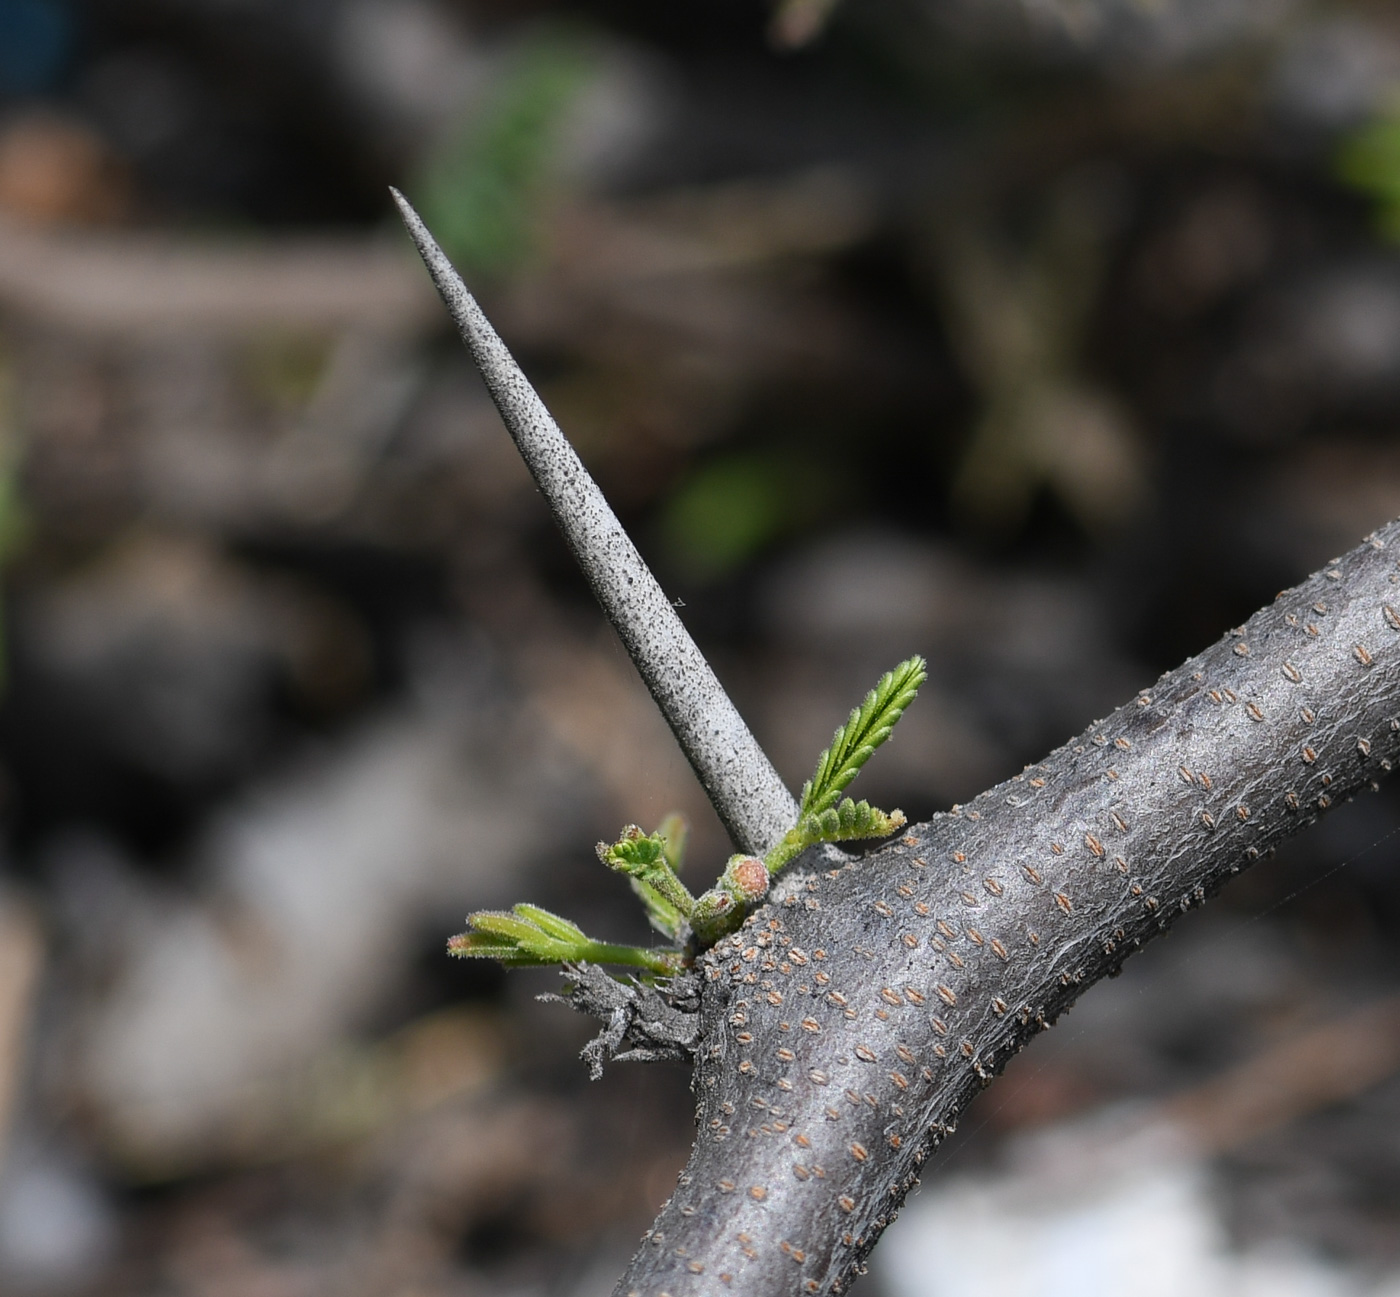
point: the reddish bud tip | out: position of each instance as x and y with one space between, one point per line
750 877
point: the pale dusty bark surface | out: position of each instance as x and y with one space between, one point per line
845 1028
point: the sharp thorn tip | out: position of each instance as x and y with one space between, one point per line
417 229
439 267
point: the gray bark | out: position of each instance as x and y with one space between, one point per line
848 1024
840 1033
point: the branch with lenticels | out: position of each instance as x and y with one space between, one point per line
848 1024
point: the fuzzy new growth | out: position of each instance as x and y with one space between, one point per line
652 861
527 935
855 742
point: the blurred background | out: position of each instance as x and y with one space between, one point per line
1047 338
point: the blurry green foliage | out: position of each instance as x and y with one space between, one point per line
728 510
1369 160
484 189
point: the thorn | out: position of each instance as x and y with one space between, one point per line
742 784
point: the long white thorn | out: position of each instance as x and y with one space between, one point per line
751 799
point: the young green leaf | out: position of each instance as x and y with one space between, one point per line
868 726
843 823
513 927
661 914
481 945
552 924
634 852
644 858
530 936
665 915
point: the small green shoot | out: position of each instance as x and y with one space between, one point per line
844 822
646 859
868 726
528 935
674 831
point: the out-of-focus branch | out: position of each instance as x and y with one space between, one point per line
1295 1076
127 282
21 958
